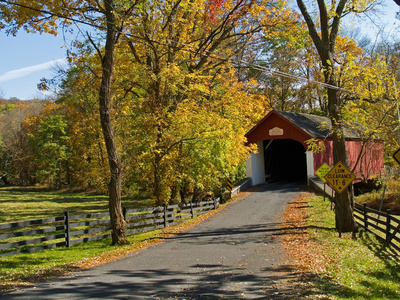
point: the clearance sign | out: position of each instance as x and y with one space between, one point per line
339 177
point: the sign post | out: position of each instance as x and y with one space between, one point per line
321 172
339 178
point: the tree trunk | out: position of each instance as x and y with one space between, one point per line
117 220
343 201
157 186
324 42
4 179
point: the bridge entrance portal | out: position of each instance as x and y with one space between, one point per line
285 160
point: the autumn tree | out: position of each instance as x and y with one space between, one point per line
16 162
108 17
289 53
179 55
78 95
164 77
324 33
376 103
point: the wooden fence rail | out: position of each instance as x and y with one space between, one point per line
67 230
384 225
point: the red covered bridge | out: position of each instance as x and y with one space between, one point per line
282 150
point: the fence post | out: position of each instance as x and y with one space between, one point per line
124 213
165 215
67 236
215 203
191 209
388 216
365 217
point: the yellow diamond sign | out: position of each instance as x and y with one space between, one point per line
396 156
339 177
322 171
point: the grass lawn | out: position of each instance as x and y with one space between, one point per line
354 268
19 204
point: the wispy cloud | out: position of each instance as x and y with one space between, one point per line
14 74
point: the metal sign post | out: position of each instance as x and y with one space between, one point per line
321 172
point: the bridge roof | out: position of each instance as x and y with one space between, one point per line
316 126
298 126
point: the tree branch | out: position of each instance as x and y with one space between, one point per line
311 26
133 50
336 23
95 46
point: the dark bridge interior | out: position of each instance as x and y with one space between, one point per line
285 160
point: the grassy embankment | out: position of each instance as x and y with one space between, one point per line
348 267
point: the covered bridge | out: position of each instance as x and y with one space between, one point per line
282 150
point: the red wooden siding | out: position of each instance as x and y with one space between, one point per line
261 131
371 161
370 164
324 157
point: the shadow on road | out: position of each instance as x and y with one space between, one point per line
219 282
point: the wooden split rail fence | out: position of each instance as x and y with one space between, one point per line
67 230
384 225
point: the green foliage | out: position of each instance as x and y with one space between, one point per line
49 145
16 160
315 145
4 108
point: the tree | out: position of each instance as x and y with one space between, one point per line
378 76
79 97
180 54
117 221
16 162
108 17
208 29
289 51
49 144
325 42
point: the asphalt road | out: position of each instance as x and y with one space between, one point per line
235 254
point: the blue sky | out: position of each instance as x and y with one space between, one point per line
27 58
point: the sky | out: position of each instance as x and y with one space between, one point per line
26 58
